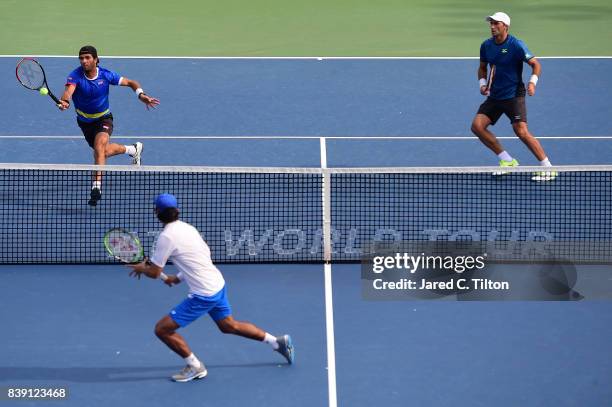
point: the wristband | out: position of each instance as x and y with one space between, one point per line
139 92
534 79
482 82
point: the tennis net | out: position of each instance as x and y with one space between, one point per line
304 214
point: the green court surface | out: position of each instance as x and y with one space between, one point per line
299 28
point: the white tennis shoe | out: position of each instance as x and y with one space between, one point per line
285 348
190 373
136 157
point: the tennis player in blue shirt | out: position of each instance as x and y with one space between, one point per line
507 93
88 87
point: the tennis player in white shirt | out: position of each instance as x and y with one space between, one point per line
183 244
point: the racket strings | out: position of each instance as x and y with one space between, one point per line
30 74
124 247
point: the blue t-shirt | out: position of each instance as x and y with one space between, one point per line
508 58
91 95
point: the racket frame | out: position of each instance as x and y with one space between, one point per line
44 84
490 78
135 240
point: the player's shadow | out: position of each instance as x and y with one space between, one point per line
103 374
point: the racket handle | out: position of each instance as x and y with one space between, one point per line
163 276
55 99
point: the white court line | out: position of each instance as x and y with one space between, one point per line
329 307
323 147
329 324
309 137
297 57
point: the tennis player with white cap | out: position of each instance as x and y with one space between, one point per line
507 93
183 244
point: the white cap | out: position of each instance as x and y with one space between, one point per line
500 16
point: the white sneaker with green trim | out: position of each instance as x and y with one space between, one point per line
504 163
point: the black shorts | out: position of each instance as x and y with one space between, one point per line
102 125
514 108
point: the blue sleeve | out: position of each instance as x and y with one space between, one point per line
483 54
524 52
72 78
113 77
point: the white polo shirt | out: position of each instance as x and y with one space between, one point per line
182 243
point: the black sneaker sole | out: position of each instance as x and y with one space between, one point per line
95 196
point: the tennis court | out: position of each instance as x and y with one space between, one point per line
90 327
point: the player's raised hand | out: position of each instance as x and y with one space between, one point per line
151 102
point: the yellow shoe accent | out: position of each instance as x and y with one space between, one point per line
504 163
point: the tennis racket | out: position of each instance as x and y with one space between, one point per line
125 246
490 79
31 74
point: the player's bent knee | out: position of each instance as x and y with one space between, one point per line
228 326
520 129
227 329
162 330
477 128
100 148
159 331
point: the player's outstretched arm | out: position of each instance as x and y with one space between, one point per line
149 101
66 97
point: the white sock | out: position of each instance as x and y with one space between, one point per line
504 156
545 162
271 340
96 184
192 360
131 150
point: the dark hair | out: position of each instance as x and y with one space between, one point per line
168 215
90 49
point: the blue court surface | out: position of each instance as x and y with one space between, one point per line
90 328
